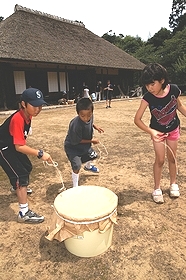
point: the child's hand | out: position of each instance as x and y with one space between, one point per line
95 141
158 136
46 157
100 130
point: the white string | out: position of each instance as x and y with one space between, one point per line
84 222
100 151
167 146
172 155
55 164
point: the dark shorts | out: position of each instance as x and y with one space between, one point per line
77 160
17 166
108 95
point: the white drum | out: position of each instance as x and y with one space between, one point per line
84 218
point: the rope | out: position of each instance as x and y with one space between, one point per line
84 222
100 151
55 164
167 146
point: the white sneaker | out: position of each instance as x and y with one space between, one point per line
30 217
174 191
157 196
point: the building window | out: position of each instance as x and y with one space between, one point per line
19 81
112 71
52 82
62 81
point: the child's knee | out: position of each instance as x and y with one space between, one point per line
171 159
76 167
160 162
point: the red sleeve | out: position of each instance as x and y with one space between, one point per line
16 129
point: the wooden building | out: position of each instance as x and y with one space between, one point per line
56 55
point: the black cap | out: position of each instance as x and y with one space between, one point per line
33 96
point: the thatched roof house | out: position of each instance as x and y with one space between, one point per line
56 54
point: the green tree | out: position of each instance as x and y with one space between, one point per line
181 24
110 37
129 44
172 50
146 54
158 39
180 69
178 6
165 47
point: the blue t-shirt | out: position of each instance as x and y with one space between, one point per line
164 117
77 131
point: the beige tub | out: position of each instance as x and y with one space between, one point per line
84 219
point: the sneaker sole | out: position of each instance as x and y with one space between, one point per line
158 199
14 192
174 194
174 191
91 170
22 221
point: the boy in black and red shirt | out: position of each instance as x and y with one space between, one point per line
14 150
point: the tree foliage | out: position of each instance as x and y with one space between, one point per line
129 44
158 39
180 69
165 47
110 37
178 6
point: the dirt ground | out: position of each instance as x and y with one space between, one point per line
149 239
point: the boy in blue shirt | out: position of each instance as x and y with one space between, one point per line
79 139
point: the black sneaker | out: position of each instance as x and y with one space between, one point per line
30 218
29 191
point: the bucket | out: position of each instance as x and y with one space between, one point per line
84 219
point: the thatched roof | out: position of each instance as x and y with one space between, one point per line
29 35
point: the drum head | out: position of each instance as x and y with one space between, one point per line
85 203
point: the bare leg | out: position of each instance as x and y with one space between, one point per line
22 195
159 149
171 156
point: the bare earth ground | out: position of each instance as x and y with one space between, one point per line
148 242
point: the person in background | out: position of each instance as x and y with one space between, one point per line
93 96
86 92
14 150
163 101
108 94
98 91
79 140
